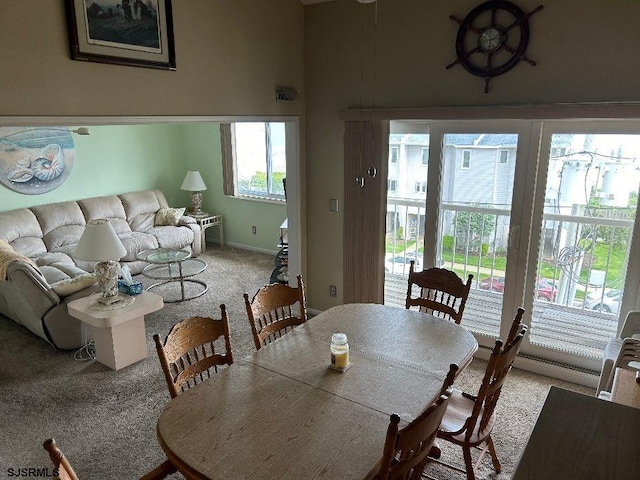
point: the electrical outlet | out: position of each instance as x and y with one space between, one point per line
333 291
254 230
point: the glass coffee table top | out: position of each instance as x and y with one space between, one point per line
172 265
163 255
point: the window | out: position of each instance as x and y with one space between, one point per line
421 187
424 159
466 158
260 159
504 157
393 154
392 185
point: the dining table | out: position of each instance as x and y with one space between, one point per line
281 412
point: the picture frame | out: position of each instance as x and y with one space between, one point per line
123 32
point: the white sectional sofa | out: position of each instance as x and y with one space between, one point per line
42 276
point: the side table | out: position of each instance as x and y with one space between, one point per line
206 220
119 333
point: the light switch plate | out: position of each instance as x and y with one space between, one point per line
333 205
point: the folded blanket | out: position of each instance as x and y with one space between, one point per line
7 256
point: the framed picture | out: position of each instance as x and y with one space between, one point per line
124 32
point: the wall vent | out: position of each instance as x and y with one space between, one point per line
286 94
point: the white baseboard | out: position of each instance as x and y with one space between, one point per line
247 247
549 369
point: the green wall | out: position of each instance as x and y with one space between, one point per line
201 148
126 158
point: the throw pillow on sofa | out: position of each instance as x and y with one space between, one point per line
168 216
73 285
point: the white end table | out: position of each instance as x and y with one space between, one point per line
119 333
206 220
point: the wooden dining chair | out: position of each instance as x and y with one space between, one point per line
60 462
190 352
274 310
469 419
406 451
441 292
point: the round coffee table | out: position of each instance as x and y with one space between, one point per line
172 265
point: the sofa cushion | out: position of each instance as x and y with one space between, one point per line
73 285
20 229
58 271
141 208
136 242
168 216
50 258
109 207
172 237
62 223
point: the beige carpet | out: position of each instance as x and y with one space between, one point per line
105 420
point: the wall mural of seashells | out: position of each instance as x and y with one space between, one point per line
35 160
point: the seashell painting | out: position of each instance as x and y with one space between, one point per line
35 160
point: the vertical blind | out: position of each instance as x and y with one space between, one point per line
366 144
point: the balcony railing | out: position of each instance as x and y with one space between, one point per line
580 275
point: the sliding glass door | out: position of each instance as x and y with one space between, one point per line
541 214
586 209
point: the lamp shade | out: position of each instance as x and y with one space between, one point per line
193 182
99 243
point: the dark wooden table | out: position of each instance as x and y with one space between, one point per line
582 437
282 413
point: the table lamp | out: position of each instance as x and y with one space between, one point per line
193 182
99 243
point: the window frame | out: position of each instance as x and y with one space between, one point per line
267 196
394 149
424 159
466 158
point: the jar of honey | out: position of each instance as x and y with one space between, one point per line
339 352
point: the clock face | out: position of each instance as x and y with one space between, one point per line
490 39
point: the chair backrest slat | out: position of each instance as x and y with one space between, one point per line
441 292
274 310
498 367
184 355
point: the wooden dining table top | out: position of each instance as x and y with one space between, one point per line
282 413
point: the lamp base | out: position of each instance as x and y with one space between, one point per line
110 300
107 275
196 202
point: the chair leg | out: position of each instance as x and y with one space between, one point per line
435 451
161 471
468 462
494 456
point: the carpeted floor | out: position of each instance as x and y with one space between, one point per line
105 420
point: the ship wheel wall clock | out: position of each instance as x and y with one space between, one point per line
492 39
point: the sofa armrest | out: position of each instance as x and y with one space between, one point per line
186 220
35 287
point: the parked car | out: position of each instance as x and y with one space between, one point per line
609 302
400 263
546 290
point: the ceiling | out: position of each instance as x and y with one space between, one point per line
310 2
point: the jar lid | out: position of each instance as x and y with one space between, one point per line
339 338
